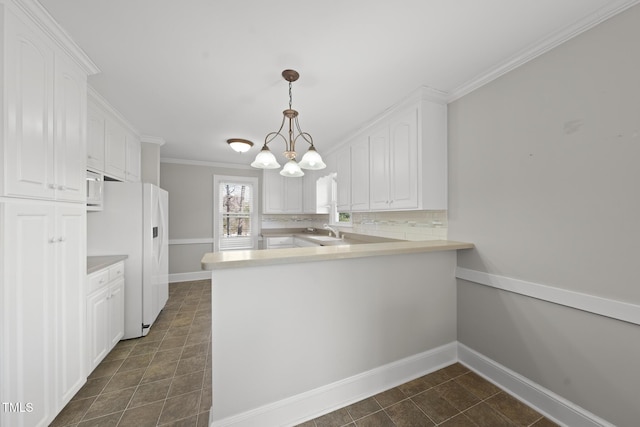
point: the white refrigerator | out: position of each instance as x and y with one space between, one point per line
134 222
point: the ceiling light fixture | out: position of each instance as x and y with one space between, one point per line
311 160
240 145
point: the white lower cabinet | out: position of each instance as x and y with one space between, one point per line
302 243
43 250
279 242
105 312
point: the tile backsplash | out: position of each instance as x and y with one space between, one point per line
294 221
405 225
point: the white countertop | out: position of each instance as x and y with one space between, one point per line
97 263
249 258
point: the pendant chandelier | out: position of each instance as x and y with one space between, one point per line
311 160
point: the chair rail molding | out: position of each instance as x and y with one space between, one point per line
614 309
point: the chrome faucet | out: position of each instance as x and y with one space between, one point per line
336 232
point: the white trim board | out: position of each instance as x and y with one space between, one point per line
551 405
590 303
196 241
314 403
188 277
207 164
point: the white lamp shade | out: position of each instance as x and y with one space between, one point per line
312 160
291 169
265 160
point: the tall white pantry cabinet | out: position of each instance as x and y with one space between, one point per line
42 215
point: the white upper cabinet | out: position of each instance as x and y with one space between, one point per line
403 161
95 138
360 174
45 117
309 191
28 85
132 169
70 131
113 147
281 194
343 177
115 154
398 163
379 168
394 164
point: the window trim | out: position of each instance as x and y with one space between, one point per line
255 210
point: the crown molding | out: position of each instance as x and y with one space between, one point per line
546 44
153 140
205 163
45 22
98 99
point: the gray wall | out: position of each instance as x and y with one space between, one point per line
544 179
190 190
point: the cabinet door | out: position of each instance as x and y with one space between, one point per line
116 312
133 158
95 139
70 297
98 327
360 175
115 150
379 169
28 146
309 203
403 154
273 192
28 298
70 131
292 194
343 179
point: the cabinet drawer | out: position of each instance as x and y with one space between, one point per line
98 280
116 271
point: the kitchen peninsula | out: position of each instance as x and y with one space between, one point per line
301 331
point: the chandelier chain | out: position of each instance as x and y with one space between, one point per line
290 95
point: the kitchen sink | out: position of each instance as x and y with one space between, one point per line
325 238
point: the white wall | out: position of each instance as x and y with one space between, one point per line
544 180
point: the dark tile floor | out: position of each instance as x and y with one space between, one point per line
164 379
450 397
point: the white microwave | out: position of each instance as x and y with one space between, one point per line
95 190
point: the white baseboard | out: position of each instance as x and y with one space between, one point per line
187 277
546 402
314 403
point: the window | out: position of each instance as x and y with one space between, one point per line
344 218
235 222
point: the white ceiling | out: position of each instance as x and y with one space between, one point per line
197 72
